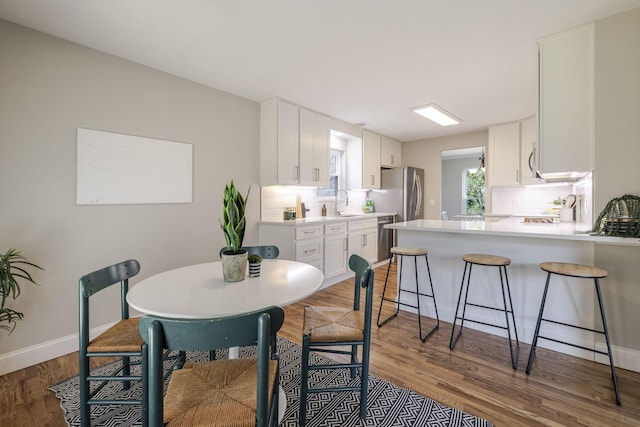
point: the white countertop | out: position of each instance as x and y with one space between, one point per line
514 227
323 219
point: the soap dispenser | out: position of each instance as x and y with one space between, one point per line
324 210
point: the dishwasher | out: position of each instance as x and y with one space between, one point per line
385 237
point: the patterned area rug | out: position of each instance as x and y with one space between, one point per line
388 404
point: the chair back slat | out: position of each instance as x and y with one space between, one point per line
105 277
207 334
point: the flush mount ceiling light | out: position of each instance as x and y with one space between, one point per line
437 114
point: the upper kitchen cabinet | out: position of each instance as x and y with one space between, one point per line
503 156
294 145
529 151
370 160
314 149
566 101
363 158
390 153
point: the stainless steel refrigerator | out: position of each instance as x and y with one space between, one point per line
401 191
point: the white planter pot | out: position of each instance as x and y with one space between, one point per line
234 266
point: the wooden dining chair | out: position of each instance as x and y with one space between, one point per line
266 251
234 392
121 340
326 329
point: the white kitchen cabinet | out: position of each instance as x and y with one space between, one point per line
390 153
279 143
363 239
566 104
370 160
335 249
363 162
302 243
294 145
314 149
503 155
529 152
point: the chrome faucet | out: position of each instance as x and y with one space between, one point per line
346 201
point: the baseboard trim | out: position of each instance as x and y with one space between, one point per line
624 358
29 356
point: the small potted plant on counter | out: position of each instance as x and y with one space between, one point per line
12 265
254 265
233 223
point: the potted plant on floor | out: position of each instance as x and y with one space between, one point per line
233 224
12 265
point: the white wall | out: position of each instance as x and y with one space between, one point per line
50 87
617 150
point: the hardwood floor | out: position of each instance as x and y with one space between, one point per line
476 377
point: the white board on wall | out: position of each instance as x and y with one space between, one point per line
113 168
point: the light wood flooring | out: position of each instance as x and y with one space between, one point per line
476 377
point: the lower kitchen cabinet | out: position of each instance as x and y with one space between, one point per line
297 243
335 249
363 239
326 245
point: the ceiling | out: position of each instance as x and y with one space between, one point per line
360 61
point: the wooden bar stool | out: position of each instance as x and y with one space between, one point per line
415 253
491 261
583 272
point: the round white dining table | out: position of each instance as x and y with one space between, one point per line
200 292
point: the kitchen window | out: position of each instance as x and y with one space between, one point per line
336 175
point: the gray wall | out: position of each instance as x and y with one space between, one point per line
50 87
452 183
617 153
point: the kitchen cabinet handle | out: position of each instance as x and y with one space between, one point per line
373 179
345 244
297 172
309 251
531 158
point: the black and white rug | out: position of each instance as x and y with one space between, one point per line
388 404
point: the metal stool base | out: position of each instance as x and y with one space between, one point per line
508 310
417 293
605 332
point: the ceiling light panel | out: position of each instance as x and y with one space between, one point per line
437 114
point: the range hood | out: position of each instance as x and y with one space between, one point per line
571 176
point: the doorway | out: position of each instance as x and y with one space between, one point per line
463 181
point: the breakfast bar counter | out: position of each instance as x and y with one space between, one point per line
527 245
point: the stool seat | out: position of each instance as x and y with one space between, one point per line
484 259
408 251
574 270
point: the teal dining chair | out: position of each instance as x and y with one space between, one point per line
240 391
326 329
121 340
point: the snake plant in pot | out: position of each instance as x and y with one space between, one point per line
12 268
233 224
